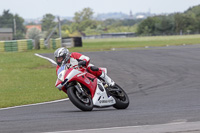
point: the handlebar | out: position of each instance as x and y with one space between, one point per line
79 67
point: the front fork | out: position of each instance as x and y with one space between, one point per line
80 89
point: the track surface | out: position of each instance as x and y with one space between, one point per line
163 86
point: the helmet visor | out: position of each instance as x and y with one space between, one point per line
59 60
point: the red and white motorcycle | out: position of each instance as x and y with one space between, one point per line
86 91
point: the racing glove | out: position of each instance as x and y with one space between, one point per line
82 63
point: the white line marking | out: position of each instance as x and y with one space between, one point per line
160 128
34 104
97 129
52 61
111 128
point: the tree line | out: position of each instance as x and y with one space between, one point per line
176 23
84 24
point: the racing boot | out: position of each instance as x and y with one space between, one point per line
107 79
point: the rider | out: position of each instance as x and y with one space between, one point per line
63 56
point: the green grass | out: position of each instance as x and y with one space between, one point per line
107 44
27 79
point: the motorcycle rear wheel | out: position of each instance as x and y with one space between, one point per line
84 103
120 96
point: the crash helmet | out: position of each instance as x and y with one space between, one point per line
62 56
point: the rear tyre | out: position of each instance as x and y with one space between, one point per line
83 102
120 96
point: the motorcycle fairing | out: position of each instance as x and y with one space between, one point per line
101 98
62 68
104 69
88 80
64 77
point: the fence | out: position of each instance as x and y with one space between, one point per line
53 43
72 42
111 35
65 42
17 45
24 45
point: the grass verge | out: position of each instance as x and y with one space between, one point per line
136 42
26 79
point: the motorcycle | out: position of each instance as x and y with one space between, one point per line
86 91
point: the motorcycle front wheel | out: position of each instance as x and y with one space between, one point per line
83 102
120 96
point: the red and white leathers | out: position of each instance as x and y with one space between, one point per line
76 57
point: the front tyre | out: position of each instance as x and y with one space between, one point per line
120 96
83 102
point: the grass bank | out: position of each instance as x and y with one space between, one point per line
27 79
136 42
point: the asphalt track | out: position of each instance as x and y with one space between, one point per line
163 85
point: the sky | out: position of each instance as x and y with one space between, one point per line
38 8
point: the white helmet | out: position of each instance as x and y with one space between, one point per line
62 56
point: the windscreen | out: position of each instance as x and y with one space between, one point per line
61 69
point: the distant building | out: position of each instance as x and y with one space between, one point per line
131 15
28 27
140 17
6 34
39 27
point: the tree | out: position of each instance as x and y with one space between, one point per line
164 25
147 26
195 14
197 25
130 22
48 22
34 34
195 10
179 23
7 21
109 22
184 23
20 28
83 20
